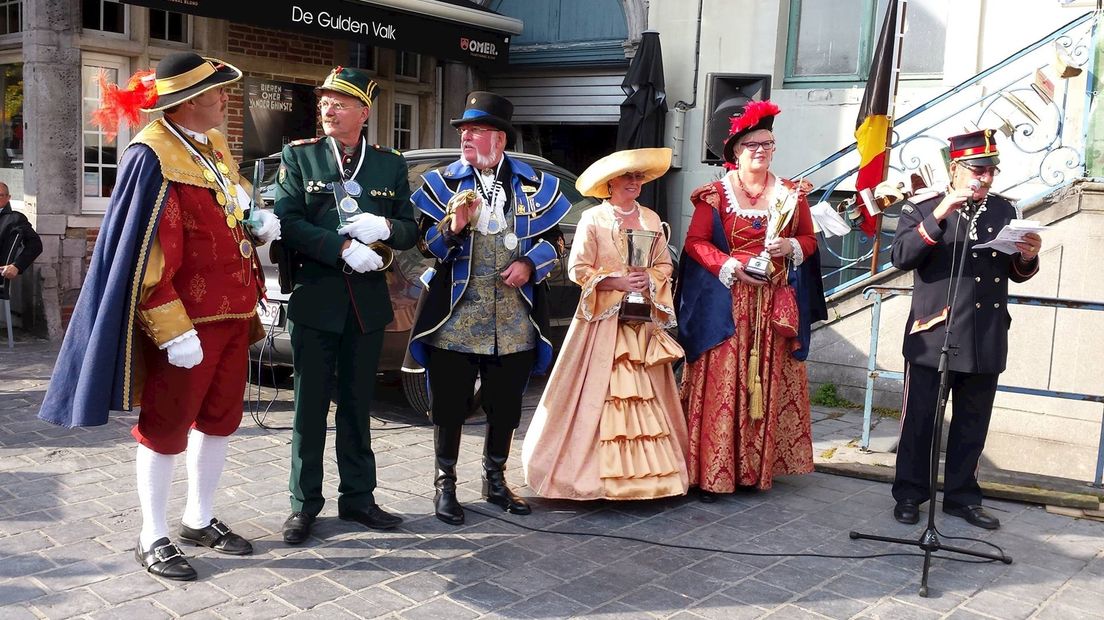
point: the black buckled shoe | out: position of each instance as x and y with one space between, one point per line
907 511
974 515
164 559
372 517
297 528
706 497
216 536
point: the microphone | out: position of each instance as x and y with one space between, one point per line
974 186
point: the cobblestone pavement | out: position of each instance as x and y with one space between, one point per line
69 518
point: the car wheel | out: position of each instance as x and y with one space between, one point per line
416 390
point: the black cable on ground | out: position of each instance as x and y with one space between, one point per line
706 549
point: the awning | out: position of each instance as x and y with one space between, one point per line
444 29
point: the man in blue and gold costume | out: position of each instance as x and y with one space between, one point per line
491 222
168 308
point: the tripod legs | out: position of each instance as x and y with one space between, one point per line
929 540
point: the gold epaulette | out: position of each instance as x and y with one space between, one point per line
304 141
386 149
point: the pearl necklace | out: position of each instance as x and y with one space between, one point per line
624 212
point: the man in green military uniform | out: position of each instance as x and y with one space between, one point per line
344 204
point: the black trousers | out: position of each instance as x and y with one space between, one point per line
452 384
971 410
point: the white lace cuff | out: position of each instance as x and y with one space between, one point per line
728 271
798 255
180 338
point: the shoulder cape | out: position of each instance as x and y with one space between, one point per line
94 372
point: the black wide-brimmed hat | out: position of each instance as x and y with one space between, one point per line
184 75
977 148
489 109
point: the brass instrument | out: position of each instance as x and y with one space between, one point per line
463 199
385 252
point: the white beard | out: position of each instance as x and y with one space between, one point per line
483 161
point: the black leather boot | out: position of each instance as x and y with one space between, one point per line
446 449
496 451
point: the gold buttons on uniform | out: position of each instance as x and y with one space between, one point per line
977 305
977 278
974 254
994 254
996 279
996 305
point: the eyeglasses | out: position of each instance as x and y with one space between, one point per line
980 171
766 145
336 106
473 130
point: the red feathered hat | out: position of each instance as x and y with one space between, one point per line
178 78
756 115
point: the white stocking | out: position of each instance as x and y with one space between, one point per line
155 474
206 456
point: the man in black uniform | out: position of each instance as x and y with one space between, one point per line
936 237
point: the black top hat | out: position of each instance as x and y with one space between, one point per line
977 148
184 75
489 109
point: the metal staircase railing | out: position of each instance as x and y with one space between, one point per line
1042 117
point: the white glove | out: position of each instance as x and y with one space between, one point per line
366 228
184 350
265 225
361 257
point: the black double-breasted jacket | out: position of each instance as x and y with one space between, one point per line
978 315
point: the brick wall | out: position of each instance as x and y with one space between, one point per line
277 45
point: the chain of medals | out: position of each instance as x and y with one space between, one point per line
348 204
215 172
495 220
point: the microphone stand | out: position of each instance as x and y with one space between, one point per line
929 540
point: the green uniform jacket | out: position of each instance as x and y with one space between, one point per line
309 223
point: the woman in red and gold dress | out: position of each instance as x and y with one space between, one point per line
746 397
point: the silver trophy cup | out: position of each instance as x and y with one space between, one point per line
639 245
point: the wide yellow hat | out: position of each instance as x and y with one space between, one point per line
654 163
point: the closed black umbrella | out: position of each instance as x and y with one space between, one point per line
644 108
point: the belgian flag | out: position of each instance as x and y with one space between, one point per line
873 125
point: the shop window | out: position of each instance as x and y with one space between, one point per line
404 122
362 56
100 156
11 16
11 125
407 64
168 26
834 40
105 15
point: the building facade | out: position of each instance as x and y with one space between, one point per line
53 52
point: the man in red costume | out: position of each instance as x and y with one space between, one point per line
175 258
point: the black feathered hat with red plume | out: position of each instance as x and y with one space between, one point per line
756 115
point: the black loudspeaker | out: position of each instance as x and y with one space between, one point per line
726 95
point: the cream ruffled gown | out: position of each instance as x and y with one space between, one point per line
610 423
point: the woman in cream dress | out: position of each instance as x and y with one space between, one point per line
610 423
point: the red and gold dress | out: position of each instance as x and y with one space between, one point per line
728 448
610 425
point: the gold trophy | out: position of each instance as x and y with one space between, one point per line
638 245
761 267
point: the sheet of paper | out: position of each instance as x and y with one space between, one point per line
1012 233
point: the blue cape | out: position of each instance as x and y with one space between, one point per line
704 305
94 370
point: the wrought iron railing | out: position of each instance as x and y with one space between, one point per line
1040 114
